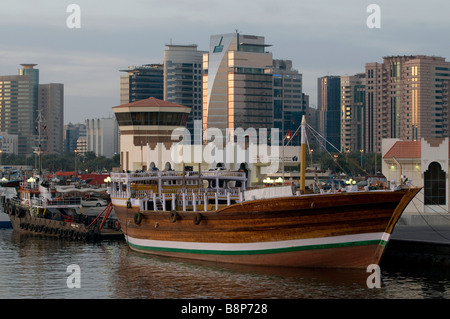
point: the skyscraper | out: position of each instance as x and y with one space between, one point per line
51 105
183 81
353 100
329 102
237 83
288 101
19 106
73 132
142 82
406 98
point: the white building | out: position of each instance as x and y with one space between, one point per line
102 136
152 137
9 143
425 163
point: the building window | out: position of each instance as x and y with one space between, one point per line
435 185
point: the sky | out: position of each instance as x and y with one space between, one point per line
322 37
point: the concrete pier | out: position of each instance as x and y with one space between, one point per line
420 244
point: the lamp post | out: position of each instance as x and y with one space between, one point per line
286 137
362 151
75 174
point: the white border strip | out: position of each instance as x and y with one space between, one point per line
258 245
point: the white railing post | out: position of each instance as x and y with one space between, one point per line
155 207
216 200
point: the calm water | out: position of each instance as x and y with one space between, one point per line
36 267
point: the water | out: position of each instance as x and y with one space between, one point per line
35 267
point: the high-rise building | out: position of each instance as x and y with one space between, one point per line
289 103
142 82
406 98
329 106
353 100
72 132
237 83
102 136
183 81
9 144
19 106
51 105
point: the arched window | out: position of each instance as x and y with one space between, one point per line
435 185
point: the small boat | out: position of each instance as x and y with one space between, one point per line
6 193
39 208
211 216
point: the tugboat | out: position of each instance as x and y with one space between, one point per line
39 208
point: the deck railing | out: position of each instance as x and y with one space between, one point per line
149 175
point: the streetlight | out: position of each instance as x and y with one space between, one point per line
362 151
75 174
286 137
311 154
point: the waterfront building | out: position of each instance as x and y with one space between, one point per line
353 100
51 105
142 82
183 81
289 103
329 107
151 138
406 98
102 136
424 162
237 84
148 123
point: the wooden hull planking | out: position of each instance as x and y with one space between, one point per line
333 230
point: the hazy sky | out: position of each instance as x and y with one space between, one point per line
325 37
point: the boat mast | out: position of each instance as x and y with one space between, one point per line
303 156
39 121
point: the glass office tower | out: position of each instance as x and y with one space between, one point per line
237 83
19 106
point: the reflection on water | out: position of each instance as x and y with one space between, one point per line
158 277
35 267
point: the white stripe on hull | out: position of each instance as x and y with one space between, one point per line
258 246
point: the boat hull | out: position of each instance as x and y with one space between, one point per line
348 230
24 223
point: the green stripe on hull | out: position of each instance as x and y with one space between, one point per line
261 251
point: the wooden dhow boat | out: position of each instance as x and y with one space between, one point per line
171 213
